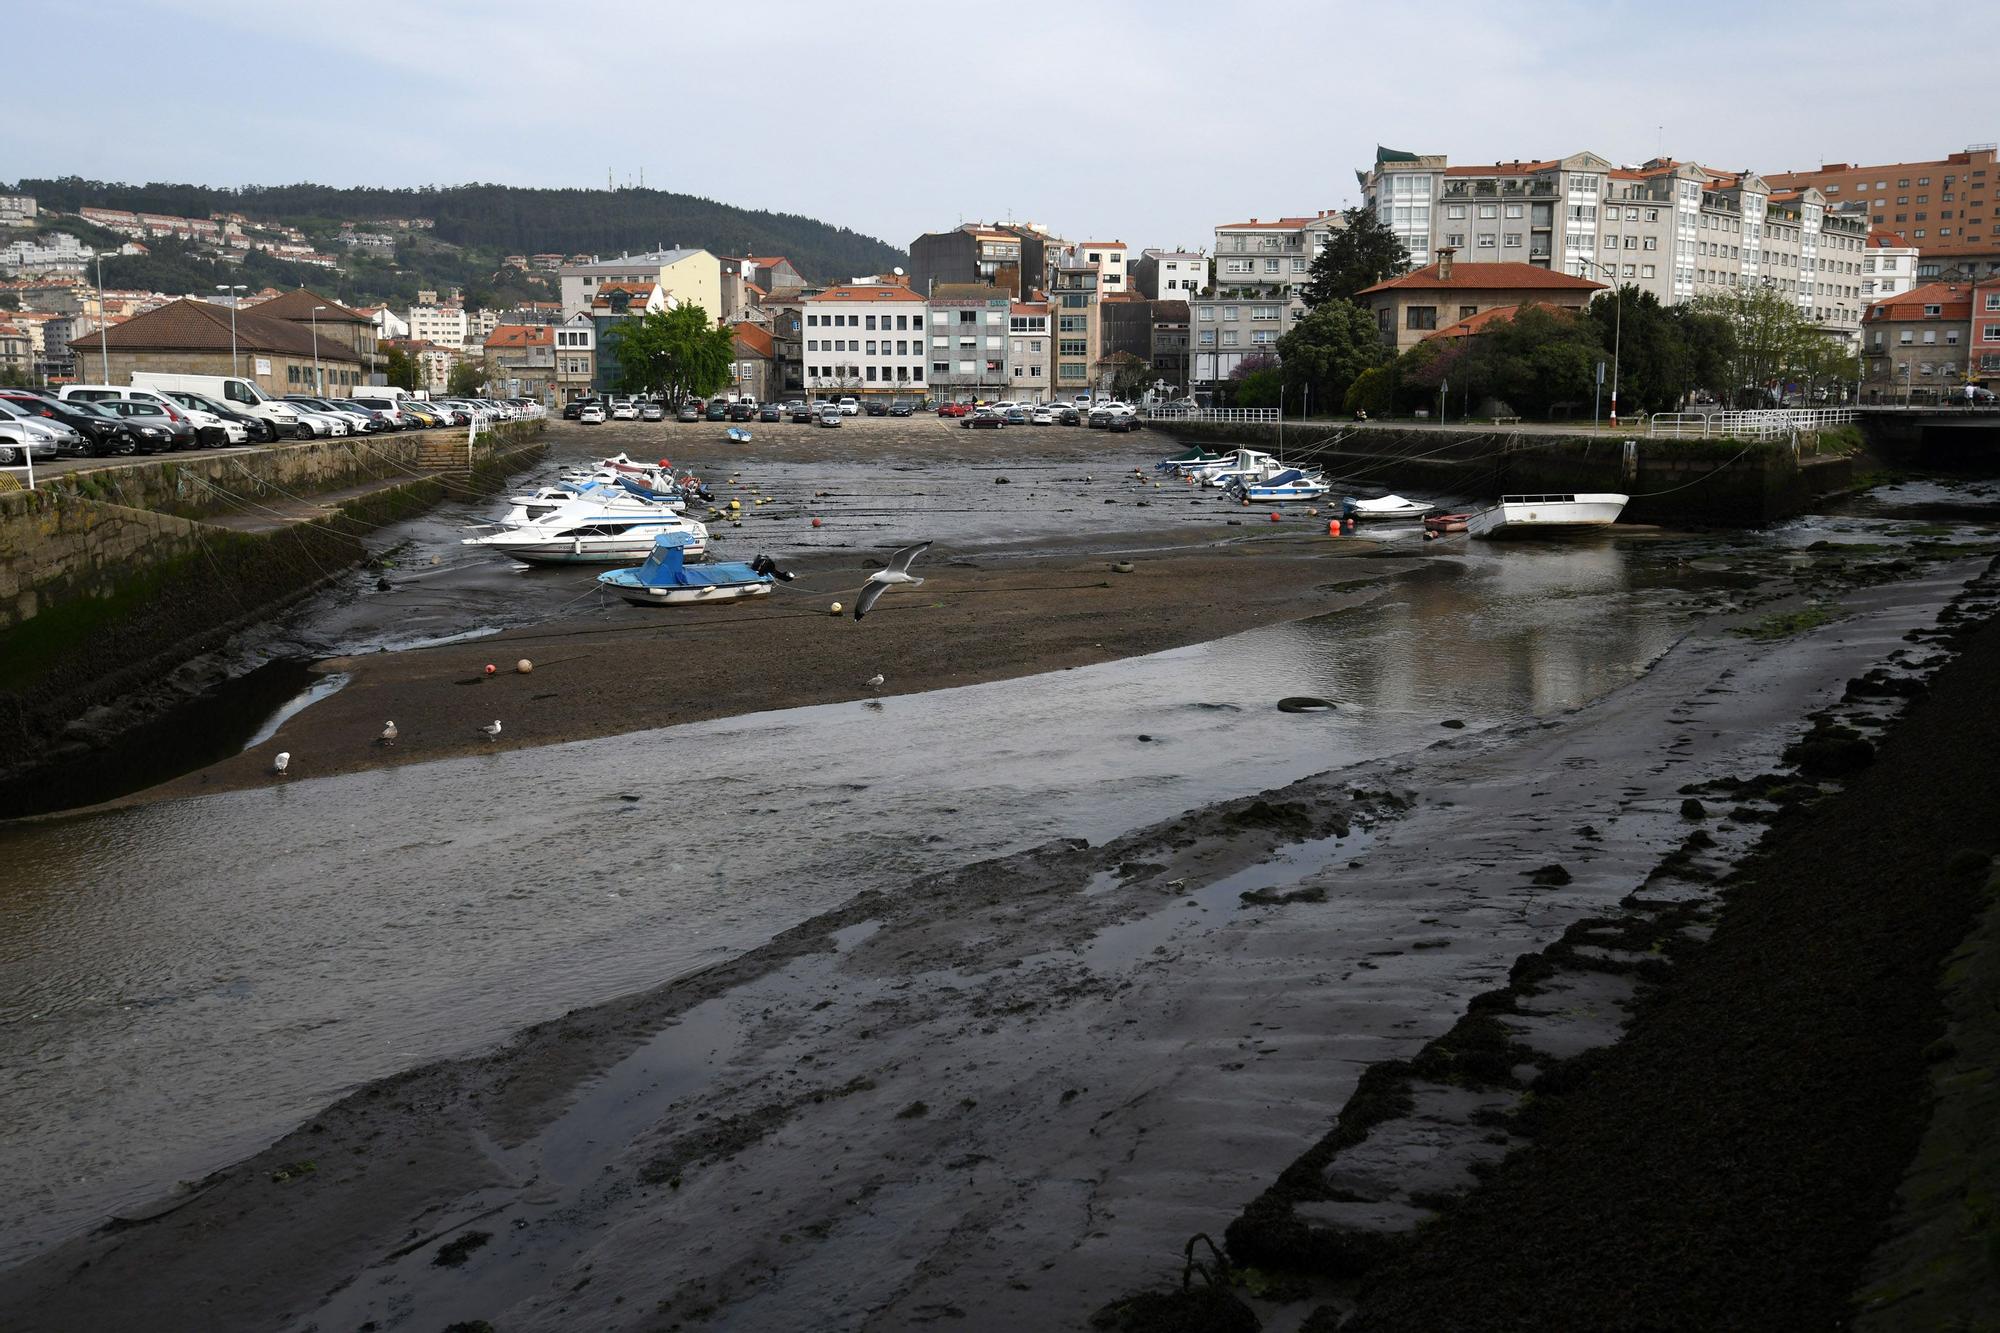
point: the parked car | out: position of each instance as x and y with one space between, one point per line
256 429
743 409
829 415
983 419
850 407
20 443
102 432
1124 422
592 415
150 422
902 408
624 411
652 412
954 409
718 410
770 412
688 412
875 407
1041 416
427 415
800 413
573 409
390 408
1015 416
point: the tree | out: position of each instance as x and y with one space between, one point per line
1652 355
1257 381
1774 346
1131 375
466 379
1541 357
676 352
402 371
1327 350
1361 253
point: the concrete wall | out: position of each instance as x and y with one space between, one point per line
189 486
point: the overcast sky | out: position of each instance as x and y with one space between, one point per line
1143 122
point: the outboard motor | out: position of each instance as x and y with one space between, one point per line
764 564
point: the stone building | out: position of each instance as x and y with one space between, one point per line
1410 308
189 337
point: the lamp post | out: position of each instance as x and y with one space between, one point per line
103 324
1617 328
233 288
318 389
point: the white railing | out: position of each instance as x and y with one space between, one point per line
1765 425
1256 415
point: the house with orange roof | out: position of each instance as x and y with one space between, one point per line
1409 308
869 339
1917 345
521 360
752 371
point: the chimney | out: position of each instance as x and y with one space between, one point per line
1444 263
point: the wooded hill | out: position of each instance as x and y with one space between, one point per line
487 221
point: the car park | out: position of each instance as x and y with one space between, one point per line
426 415
800 413
390 408
573 408
238 428
41 435
770 412
652 411
1123 422
19 443
1041 416
592 415
850 407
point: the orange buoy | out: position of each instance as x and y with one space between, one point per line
490 668
1276 516
1333 527
815 522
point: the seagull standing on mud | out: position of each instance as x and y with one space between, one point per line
897 571
492 730
874 682
282 762
389 733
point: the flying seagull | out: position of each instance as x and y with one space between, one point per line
282 762
898 571
492 731
389 733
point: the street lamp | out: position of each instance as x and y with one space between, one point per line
103 323
1617 330
318 388
232 288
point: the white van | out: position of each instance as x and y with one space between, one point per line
232 391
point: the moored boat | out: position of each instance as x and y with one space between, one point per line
1289 484
1565 511
1384 507
600 538
666 580
1444 523
1189 458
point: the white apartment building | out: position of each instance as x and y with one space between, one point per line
1109 256
388 324
865 339
479 326
1031 352
1260 268
687 275
1888 266
1676 229
1170 275
444 325
17 210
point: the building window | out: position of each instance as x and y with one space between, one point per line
1420 317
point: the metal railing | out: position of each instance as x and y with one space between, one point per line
1760 425
1250 415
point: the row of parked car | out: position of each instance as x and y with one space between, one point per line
99 420
1112 416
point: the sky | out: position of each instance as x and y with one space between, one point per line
1149 123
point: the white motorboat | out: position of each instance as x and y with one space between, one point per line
1290 484
1240 464
551 500
1384 507
603 538
1519 515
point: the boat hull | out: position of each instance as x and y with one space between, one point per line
732 592
1548 515
617 552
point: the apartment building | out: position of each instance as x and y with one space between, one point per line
1949 207
1410 308
1983 334
784 312
690 276
1010 255
751 365
441 325
1170 275
1170 341
1916 346
866 340
1676 229
576 358
521 361
1888 266
1109 256
1074 292
1261 266
969 341
1031 350
17 210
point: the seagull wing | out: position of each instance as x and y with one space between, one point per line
900 562
865 600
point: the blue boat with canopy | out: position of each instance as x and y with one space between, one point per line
667 580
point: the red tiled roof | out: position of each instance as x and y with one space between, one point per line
1473 324
867 292
1031 307
522 335
188 325
756 338
1488 278
1953 299
1267 224
637 288
1505 168
297 305
1887 240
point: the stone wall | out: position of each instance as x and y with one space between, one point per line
212 483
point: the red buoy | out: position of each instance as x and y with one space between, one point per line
490 668
815 522
1275 516
1333 527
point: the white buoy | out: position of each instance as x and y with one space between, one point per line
834 610
524 666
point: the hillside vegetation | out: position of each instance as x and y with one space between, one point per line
475 226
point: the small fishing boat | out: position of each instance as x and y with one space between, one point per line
600 538
1290 484
1248 464
1447 523
666 580
1535 515
1383 507
1195 457
737 435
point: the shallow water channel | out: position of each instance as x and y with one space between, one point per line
181 983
